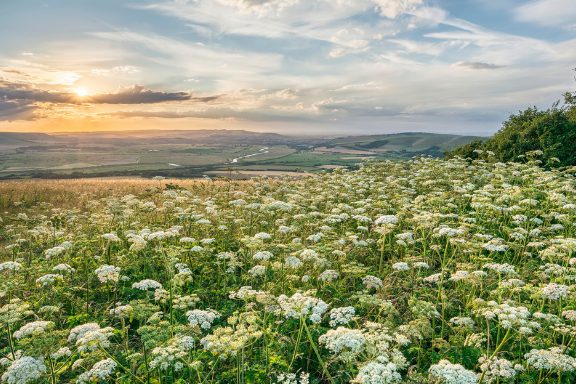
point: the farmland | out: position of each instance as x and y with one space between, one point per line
198 153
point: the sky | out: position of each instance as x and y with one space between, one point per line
286 66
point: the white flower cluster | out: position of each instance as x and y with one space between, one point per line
447 373
292 378
111 237
61 353
509 316
122 311
386 220
228 341
341 315
257 270
167 357
55 251
10 266
202 318
101 371
63 268
300 305
328 275
380 371
108 273
88 337
33 328
49 279
400 266
553 359
147 284
501 268
496 369
372 282
344 342
24 370
263 256
554 291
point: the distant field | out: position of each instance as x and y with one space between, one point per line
192 154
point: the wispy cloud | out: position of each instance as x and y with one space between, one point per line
548 13
316 63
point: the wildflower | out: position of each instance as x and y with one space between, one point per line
386 219
33 328
108 273
49 279
147 284
55 251
262 256
201 318
89 336
554 291
101 371
328 275
61 353
379 371
10 266
372 282
111 237
258 270
24 370
63 268
501 268
447 373
496 369
300 305
292 378
341 315
552 359
400 266
344 342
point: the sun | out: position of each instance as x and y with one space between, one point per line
81 92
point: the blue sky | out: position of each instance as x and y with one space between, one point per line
289 66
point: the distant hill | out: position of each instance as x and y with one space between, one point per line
408 142
25 138
195 153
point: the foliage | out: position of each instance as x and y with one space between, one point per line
424 271
551 131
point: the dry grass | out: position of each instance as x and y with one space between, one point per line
69 193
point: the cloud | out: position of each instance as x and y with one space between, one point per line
477 65
16 110
137 94
559 13
14 91
395 8
24 101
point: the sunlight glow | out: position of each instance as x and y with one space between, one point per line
81 92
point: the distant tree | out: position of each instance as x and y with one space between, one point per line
552 131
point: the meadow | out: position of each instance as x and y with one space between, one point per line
419 271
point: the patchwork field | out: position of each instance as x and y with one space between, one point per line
198 153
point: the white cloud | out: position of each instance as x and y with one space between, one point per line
560 13
395 8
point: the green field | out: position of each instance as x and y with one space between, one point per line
195 153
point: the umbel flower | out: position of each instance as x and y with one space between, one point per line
101 371
25 369
300 305
447 373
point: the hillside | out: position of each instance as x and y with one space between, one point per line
409 142
230 153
